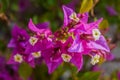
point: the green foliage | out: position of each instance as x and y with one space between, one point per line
2 45
14 7
25 71
90 75
4 5
86 6
104 24
114 75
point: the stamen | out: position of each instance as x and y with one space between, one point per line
96 34
18 58
95 59
74 17
36 54
66 57
33 40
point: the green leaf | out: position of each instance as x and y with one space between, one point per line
4 4
66 1
35 19
86 6
104 25
90 75
114 75
25 71
14 7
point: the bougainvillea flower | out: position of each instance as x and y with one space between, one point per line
19 37
81 45
39 42
86 28
42 40
73 58
89 38
15 58
52 57
67 12
93 39
99 44
78 46
19 57
70 15
41 28
99 56
18 43
34 50
58 54
93 25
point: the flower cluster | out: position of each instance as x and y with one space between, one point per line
74 39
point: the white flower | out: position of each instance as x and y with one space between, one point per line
95 59
66 57
96 34
74 17
33 40
18 58
36 54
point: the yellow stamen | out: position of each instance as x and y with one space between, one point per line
66 57
36 54
74 17
18 58
95 59
33 40
96 34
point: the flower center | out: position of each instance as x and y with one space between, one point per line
33 40
74 17
66 57
36 54
18 58
95 59
96 34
